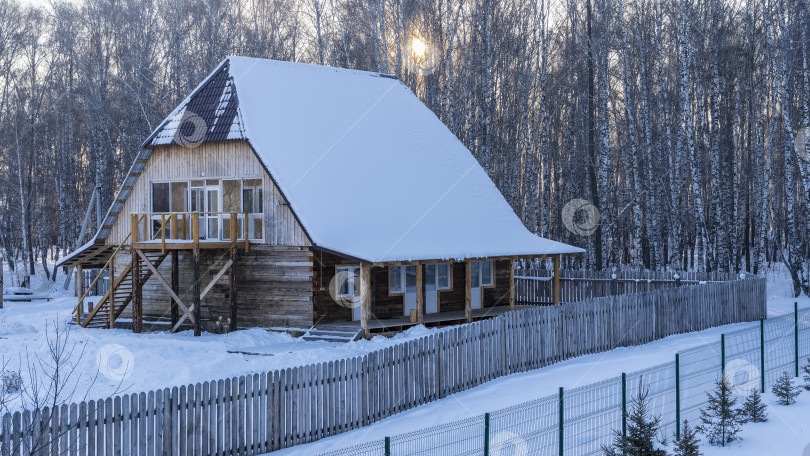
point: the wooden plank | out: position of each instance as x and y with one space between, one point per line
169 290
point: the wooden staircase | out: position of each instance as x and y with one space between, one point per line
119 295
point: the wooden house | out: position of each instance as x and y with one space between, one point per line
289 195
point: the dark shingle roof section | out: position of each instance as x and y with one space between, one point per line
210 114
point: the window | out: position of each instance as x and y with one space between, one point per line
435 277
395 279
348 281
215 199
480 274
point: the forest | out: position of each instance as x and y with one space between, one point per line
657 134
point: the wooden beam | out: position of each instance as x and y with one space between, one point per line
79 292
162 281
556 279
232 288
365 293
468 291
137 294
195 291
511 285
175 286
420 295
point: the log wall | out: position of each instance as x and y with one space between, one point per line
273 286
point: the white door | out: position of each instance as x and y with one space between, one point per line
480 278
431 290
348 289
410 289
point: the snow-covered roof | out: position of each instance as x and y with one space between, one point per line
369 171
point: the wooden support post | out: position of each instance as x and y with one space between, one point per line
195 228
137 294
79 292
556 279
175 229
365 308
163 233
511 285
420 295
111 294
1 281
468 291
232 278
195 289
133 229
175 287
233 228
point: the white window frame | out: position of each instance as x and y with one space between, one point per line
353 292
481 283
402 278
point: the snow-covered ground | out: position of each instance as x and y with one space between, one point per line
786 433
117 361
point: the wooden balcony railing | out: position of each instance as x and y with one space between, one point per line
196 228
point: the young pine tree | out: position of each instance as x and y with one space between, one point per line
784 389
687 444
806 377
641 431
721 422
753 409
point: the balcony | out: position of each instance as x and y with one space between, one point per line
186 230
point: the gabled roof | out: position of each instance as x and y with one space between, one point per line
369 171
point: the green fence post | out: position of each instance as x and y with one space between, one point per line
486 434
562 420
796 334
388 446
678 395
624 405
762 353
723 355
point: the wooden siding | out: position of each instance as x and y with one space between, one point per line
273 286
216 160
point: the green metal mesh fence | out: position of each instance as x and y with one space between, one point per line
587 418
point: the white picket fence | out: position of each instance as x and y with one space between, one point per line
258 413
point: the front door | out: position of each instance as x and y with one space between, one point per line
481 276
431 290
410 289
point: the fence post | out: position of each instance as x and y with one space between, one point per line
486 434
723 355
796 334
624 405
678 395
561 420
762 353
388 446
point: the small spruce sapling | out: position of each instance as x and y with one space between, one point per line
753 408
806 377
641 431
784 389
720 421
687 444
